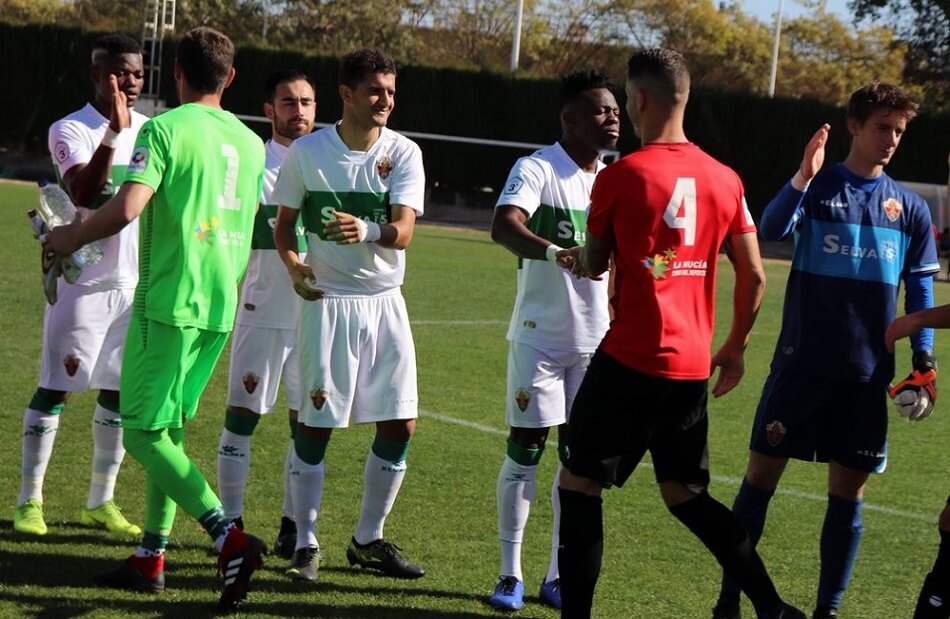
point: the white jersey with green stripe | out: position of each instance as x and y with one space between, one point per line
72 141
321 174
267 295
553 309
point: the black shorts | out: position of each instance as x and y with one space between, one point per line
620 413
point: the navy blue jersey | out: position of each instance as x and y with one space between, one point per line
856 239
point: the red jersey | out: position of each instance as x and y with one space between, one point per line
667 208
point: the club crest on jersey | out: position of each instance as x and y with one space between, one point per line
319 397
892 208
522 398
774 433
250 381
61 150
138 160
384 167
71 363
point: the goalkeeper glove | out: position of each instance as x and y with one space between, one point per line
916 395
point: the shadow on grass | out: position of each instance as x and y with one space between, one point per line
25 574
155 607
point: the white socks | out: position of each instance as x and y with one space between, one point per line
287 509
306 483
107 455
234 466
515 491
381 482
39 434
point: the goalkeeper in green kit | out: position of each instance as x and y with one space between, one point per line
194 178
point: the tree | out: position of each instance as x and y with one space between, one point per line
20 12
925 26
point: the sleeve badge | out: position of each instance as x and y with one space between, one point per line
61 151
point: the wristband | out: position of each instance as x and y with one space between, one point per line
373 232
369 230
798 181
111 138
551 253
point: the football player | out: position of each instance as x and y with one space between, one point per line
858 235
558 319
358 187
264 343
84 332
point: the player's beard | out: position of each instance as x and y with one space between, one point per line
290 131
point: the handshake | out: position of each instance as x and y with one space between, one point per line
916 395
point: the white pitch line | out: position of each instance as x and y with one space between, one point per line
734 481
458 322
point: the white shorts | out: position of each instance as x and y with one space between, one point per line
542 385
356 356
83 338
259 358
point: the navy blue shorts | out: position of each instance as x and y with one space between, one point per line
812 418
620 413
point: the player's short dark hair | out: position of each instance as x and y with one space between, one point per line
573 84
665 68
205 57
114 45
283 76
356 65
875 96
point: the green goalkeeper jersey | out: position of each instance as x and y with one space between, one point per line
206 168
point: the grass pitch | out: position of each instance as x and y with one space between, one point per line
460 289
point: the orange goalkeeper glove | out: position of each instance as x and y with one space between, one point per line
916 395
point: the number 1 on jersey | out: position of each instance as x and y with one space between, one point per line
229 200
684 196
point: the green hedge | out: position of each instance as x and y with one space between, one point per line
761 138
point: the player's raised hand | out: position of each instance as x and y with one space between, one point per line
731 363
120 118
304 281
814 153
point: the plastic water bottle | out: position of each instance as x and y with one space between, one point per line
56 209
52 265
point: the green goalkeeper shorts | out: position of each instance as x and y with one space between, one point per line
164 370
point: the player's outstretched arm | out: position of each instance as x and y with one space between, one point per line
905 326
285 238
747 298
589 260
508 229
105 221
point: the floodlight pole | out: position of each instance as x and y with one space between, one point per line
516 40
775 45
